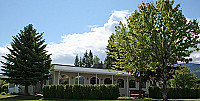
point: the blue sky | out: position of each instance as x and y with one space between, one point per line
69 24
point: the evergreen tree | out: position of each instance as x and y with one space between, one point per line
96 60
76 63
90 59
28 61
80 63
85 59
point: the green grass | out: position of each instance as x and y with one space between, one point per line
34 98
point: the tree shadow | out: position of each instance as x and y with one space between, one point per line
22 97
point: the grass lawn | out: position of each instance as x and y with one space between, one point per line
34 98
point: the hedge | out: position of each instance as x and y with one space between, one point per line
175 93
100 92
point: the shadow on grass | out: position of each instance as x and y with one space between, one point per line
19 97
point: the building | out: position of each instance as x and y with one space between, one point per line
65 74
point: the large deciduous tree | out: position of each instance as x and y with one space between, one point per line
185 78
157 32
28 61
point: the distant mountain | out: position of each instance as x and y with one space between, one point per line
193 67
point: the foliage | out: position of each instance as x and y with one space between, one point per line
90 59
96 60
28 61
76 63
175 93
87 60
185 78
81 91
159 36
3 93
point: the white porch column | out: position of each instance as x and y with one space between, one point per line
127 88
78 79
69 79
58 77
112 79
96 78
54 77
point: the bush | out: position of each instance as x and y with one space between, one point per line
155 92
81 91
4 88
175 93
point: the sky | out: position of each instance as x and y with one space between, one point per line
73 26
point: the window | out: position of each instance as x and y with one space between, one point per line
81 80
107 81
132 84
64 79
121 83
93 80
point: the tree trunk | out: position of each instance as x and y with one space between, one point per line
165 85
26 90
140 87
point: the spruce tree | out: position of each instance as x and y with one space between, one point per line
76 63
85 59
80 63
28 61
90 59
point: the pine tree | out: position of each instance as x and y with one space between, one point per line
76 63
28 61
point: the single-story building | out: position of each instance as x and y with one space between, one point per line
66 74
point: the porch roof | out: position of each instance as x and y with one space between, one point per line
68 68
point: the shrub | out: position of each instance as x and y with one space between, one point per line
3 93
175 93
81 91
68 92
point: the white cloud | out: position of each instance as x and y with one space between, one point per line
96 40
3 52
70 45
92 26
195 57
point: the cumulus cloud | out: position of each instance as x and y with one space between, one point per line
92 26
95 40
70 45
3 52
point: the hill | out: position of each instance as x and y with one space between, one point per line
193 67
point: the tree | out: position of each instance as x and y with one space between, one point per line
131 55
96 60
158 35
90 59
185 78
172 37
28 61
76 63
85 59
80 63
